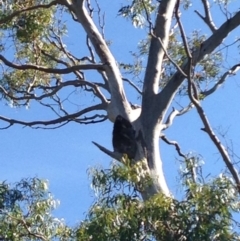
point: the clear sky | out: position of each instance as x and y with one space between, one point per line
63 155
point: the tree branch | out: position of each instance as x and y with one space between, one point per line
175 113
35 235
156 52
174 143
119 103
169 57
192 93
67 118
114 155
208 17
133 85
60 46
169 91
27 228
91 119
54 89
16 13
51 70
231 71
207 128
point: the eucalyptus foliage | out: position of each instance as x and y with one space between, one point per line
206 211
26 212
172 61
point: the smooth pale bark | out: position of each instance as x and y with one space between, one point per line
149 119
119 102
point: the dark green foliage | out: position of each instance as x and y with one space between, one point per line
119 213
25 213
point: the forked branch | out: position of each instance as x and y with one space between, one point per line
208 17
175 113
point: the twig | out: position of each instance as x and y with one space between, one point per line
174 143
54 89
93 60
168 56
148 17
133 85
101 23
231 71
92 119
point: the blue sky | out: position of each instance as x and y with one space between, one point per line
63 155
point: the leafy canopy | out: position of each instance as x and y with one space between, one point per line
206 211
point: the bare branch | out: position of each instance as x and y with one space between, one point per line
90 50
169 57
174 143
91 119
148 17
189 54
54 89
133 85
192 93
115 155
101 22
51 70
72 58
175 113
61 48
68 118
51 107
185 43
231 71
208 17
59 61
207 128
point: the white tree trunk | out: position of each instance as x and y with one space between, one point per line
149 119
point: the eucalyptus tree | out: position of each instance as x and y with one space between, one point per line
38 66
119 213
